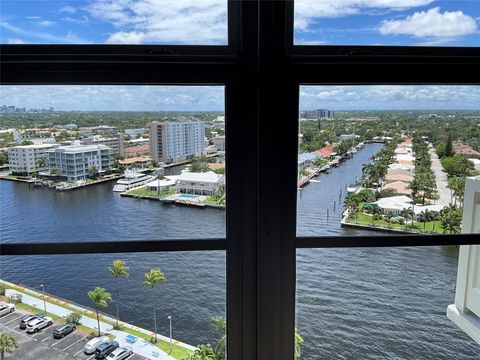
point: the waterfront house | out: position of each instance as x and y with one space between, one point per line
399 175
306 159
207 183
160 185
400 187
405 167
395 204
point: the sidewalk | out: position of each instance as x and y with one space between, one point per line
141 346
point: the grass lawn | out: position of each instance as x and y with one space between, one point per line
145 192
364 219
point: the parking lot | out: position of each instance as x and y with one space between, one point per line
42 345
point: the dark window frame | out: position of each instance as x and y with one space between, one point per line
262 71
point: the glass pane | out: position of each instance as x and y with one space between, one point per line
380 160
186 310
379 303
86 163
387 22
185 22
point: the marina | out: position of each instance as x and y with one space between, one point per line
383 282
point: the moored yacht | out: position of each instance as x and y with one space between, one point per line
132 179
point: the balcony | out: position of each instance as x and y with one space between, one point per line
465 312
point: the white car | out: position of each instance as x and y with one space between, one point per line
90 346
6 309
38 324
120 353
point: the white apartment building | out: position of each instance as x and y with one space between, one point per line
219 142
174 141
117 143
74 161
465 312
29 158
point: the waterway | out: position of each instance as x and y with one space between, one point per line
351 303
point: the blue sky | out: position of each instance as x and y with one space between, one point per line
356 22
211 98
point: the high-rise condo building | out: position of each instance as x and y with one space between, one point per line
174 141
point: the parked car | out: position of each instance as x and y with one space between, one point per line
121 353
103 350
90 346
63 330
6 309
38 324
27 318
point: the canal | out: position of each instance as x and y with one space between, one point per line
351 303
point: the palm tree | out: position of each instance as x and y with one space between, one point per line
451 219
389 215
119 269
7 344
153 277
100 297
221 326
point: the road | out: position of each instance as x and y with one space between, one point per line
440 179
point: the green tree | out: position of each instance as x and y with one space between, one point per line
7 344
203 352
449 146
152 278
100 297
451 219
118 270
74 317
92 171
389 215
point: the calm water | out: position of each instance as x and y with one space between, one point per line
351 304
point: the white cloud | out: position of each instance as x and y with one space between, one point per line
390 97
123 37
46 23
69 38
116 97
80 21
68 9
431 23
33 17
306 11
16 41
165 21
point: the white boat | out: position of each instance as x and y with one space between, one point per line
132 179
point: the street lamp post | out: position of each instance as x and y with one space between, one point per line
170 319
44 303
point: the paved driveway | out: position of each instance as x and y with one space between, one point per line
440 179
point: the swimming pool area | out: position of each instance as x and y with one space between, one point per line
186 196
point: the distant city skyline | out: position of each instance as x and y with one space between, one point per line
211 98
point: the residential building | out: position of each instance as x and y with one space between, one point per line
134 151
117 143
207 183
174 141
134 133
137 162
465 312
219 142
306 159
29 158
318 114
74 161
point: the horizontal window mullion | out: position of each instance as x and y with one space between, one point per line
376 72
53 248
115 73
386 241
